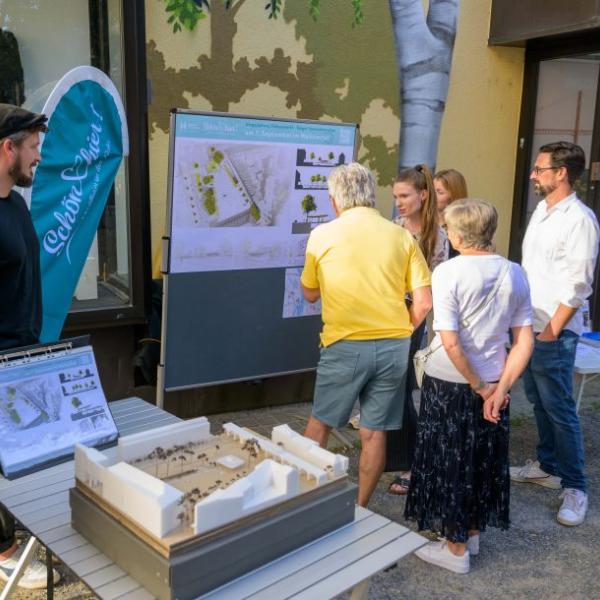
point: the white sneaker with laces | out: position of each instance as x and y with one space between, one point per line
438 553
574 506
33 578
531 472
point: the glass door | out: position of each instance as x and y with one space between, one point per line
565 110
560 102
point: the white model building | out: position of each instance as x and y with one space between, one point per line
147 500
267 485
310 450
137 445
316 463
157 506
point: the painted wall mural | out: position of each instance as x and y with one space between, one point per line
296 67
343 75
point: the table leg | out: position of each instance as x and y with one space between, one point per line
580 392
27 555
361 591
49 575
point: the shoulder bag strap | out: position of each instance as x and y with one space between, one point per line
468 320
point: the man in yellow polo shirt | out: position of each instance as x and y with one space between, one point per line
361 266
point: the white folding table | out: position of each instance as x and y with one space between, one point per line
340 561
587 364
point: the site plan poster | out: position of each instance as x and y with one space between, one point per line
247 192
49 403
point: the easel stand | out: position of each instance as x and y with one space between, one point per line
67 372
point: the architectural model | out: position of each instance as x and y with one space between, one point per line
179 481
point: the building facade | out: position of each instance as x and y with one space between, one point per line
520 77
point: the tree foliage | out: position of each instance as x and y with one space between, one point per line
308 204
185 14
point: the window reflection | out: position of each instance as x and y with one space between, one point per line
566 101
40 41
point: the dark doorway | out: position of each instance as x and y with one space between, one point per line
561 101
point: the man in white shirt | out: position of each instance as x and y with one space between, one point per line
559 258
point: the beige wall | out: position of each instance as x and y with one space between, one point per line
480 128
329 71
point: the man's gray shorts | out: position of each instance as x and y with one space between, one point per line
372 371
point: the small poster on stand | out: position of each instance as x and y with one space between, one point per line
51 398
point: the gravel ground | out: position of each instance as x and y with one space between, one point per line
536 559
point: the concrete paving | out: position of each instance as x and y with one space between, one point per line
536 559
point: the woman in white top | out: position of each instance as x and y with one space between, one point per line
416 202
460 476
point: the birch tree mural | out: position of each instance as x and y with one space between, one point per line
424 46
424 43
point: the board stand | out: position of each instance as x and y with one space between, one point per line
31 353
160 390
192 325
25 559
160 369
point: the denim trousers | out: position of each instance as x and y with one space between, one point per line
548 381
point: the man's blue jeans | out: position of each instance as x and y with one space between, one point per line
548 381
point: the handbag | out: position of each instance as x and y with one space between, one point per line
422 356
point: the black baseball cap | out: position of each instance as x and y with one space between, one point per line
14 118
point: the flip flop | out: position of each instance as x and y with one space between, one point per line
400 482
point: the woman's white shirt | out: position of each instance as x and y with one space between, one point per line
460 286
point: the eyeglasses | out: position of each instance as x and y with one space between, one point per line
538 170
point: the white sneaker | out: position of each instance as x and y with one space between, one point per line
574 506
354 422
438 553
33 578
532 473
473 545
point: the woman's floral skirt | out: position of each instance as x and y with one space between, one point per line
460 477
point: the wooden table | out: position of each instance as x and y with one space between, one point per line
331 565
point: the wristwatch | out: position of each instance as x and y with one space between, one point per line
479 385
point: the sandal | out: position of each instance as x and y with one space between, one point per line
399 487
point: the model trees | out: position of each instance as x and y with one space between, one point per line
308 204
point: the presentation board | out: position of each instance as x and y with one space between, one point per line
51 398
244 195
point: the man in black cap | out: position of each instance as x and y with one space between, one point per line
20 281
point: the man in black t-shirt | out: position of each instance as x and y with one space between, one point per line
20 282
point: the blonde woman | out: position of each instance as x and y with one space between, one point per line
416 203
460 479
450 185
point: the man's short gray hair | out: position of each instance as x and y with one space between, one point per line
475 221
351 186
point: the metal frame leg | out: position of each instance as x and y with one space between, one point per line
585 378
49 575
580 392
27 555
